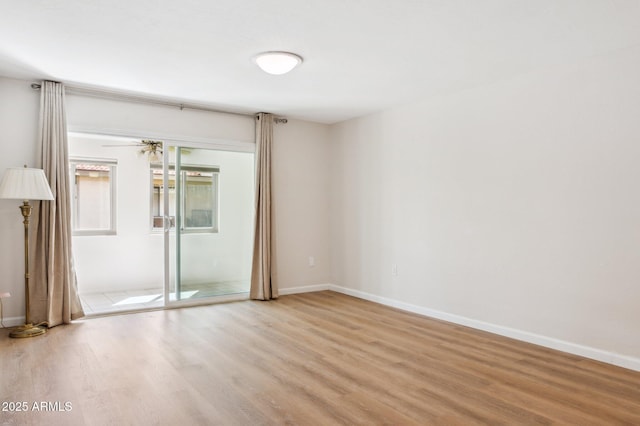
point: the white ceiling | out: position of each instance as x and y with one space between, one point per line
360 56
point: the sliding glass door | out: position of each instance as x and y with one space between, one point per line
158 223
203 201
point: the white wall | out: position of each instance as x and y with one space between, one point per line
157 121
19 111
515 204
301 176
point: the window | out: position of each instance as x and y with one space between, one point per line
94 194
198 198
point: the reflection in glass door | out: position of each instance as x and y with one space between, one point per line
209 225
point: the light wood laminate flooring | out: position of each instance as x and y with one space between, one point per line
310 359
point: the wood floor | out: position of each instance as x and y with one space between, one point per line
311 359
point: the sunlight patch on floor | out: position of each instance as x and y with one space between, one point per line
117 301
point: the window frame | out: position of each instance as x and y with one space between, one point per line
215 187
112 164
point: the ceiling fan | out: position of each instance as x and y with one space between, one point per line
152 148
147 146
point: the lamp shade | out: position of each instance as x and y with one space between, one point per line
22 183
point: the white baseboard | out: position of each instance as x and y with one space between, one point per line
303 289
12 321
525 336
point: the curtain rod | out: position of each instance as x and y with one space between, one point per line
104 94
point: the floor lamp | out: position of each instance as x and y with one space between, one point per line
26 184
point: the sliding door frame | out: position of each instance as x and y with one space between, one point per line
170 274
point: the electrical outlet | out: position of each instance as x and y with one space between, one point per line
5 295
394 270
312 261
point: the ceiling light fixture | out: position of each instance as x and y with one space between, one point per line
277 63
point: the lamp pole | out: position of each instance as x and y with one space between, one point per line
26 208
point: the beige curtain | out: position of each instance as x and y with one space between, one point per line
55 293
263 287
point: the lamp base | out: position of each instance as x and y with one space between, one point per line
27 330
